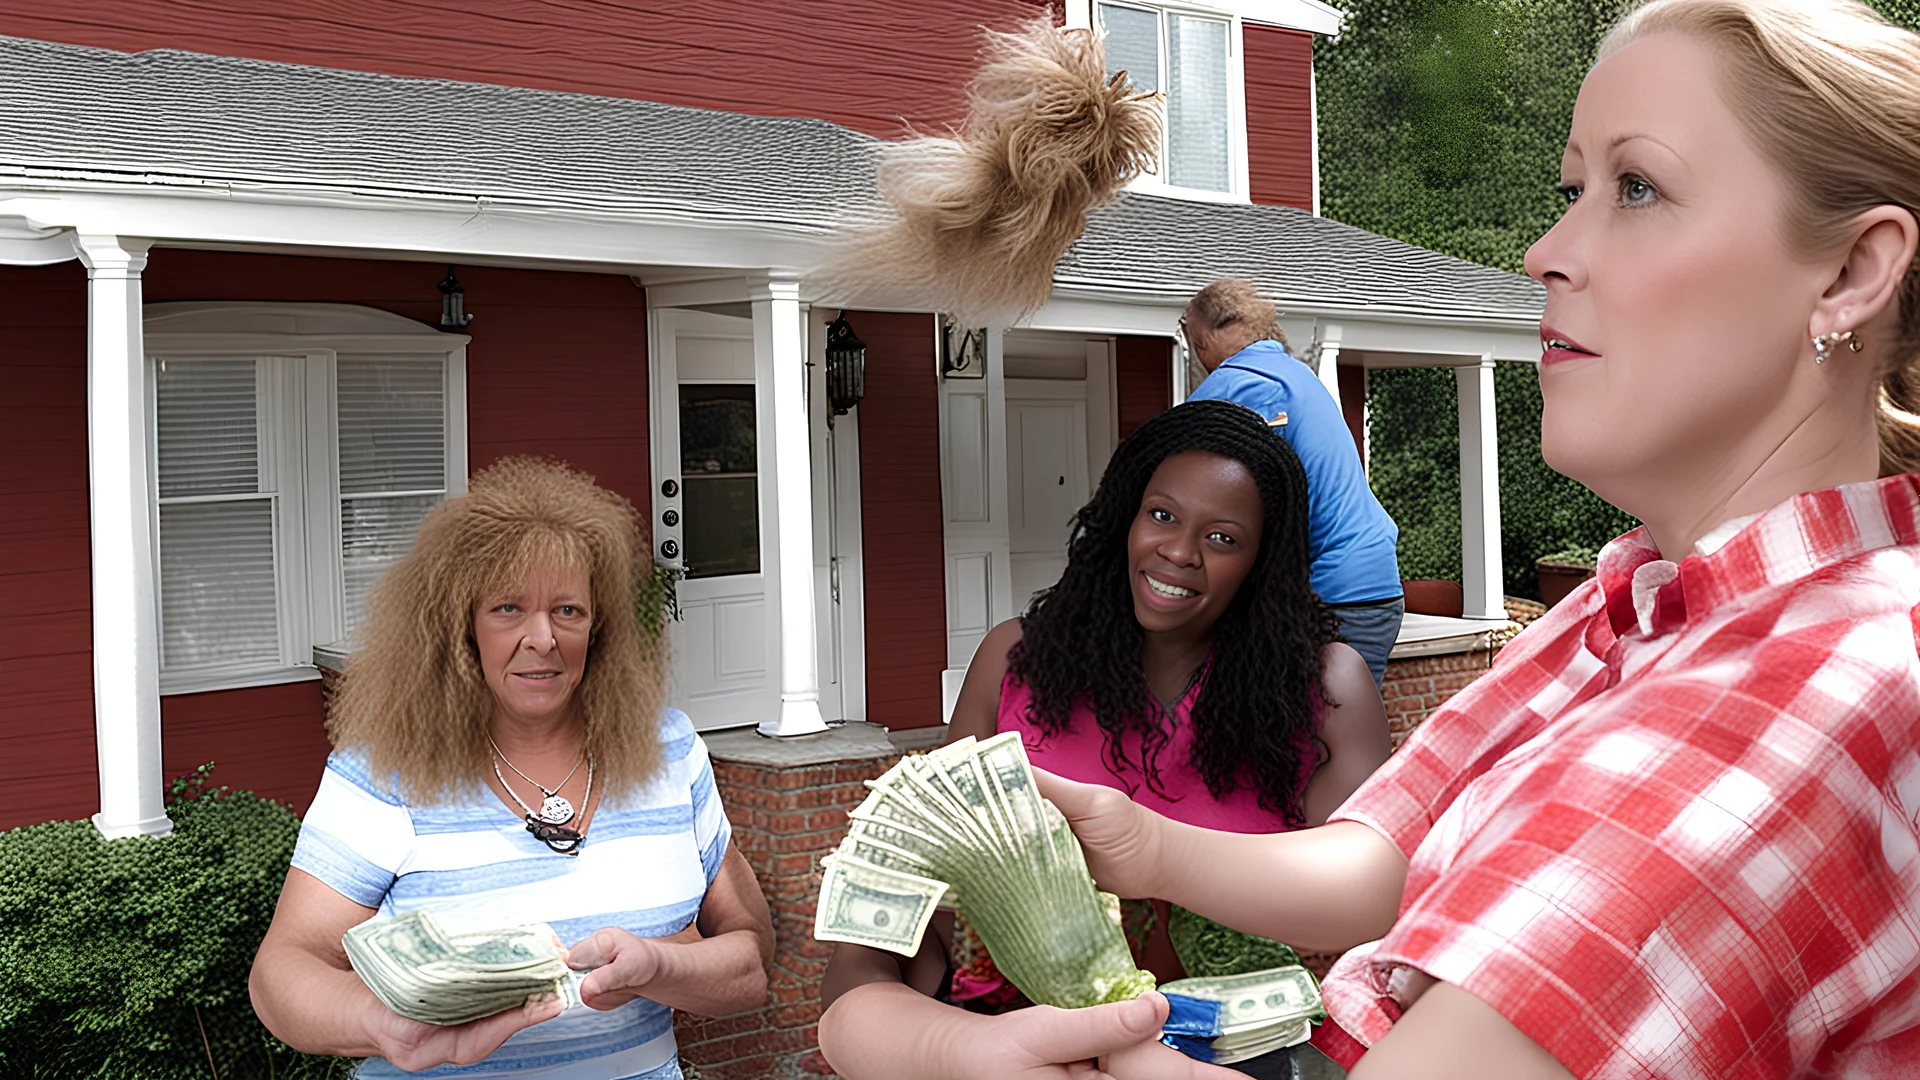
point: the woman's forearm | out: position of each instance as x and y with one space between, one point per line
714 976
1324 889
886 1030
312 1006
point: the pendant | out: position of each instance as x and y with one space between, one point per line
556 810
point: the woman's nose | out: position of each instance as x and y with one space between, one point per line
1179 549
539 634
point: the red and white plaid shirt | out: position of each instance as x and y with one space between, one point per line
1672 833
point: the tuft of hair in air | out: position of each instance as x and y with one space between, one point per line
973 224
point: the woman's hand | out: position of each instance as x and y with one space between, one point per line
1122 840
412 1045
622 964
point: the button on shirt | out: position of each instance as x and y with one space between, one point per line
1350 538
1672 832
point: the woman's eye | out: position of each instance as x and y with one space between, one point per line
1161 516
569 610
1570 192
1221 538
507 609
1635 191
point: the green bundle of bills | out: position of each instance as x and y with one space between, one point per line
423 973
965 826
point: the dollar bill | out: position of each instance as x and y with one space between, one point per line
1255 999
419 971
871 905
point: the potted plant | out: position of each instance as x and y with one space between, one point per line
1561 571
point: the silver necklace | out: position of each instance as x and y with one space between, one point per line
554 810
555 835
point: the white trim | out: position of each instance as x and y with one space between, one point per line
207 680
126 627
1079 14
1309 15
1103 418
1482 576
1239 181
1313 128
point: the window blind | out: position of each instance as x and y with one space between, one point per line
392 417
1197 104
218 602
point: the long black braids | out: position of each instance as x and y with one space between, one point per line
1253 724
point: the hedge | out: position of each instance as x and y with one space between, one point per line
129 958
1442 123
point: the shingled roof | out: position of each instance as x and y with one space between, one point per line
168 116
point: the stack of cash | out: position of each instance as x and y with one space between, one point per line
423 973
1235 1017
965 826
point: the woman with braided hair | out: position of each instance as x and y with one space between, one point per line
1183 659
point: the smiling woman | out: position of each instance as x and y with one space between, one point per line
1182 658
502 758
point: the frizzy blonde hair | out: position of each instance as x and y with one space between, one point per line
1830 93
1233 302
413 695
973 225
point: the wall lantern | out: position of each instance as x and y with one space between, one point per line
963 353
846 366
453 304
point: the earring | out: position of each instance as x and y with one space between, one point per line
1824 345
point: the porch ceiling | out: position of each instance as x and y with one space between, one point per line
238 131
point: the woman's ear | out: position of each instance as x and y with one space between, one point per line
1878 260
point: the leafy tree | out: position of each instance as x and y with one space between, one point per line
1442 123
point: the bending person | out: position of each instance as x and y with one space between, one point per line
1672 832
501 656
1183 659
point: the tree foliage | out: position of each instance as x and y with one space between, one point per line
1442 123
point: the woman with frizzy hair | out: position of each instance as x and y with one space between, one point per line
1673 832
502 758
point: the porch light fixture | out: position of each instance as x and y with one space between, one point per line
453 304
846 366
963 353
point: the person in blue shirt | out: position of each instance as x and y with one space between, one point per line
1351 541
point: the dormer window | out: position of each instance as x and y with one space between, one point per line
1192 57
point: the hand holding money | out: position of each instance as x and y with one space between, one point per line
421 972
615 966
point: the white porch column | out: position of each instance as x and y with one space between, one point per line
780 363
126 624
1480 558
1327 362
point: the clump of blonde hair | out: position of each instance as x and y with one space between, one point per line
1233 302
1830 93
973 225
413 695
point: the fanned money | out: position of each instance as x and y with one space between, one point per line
423 973
964 826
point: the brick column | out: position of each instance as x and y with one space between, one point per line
788 800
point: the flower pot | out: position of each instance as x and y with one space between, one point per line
1557 579
1434 597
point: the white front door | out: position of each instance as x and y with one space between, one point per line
711 509
1047 477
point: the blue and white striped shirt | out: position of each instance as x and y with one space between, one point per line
647 863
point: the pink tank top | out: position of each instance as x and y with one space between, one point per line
1078 752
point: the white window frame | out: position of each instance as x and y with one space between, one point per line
1238 171
301 345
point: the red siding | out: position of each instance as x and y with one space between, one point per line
1144 381
901 526
1280 116
557 366
46 652
869 65
1353 405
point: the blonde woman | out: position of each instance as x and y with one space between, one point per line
502 758
1672 833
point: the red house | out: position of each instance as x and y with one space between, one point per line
229 232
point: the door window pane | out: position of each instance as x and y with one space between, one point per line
719 470
392 413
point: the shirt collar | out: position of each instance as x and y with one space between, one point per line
1806 533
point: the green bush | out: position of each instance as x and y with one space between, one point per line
129 958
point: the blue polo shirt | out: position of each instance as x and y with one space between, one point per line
1350 538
